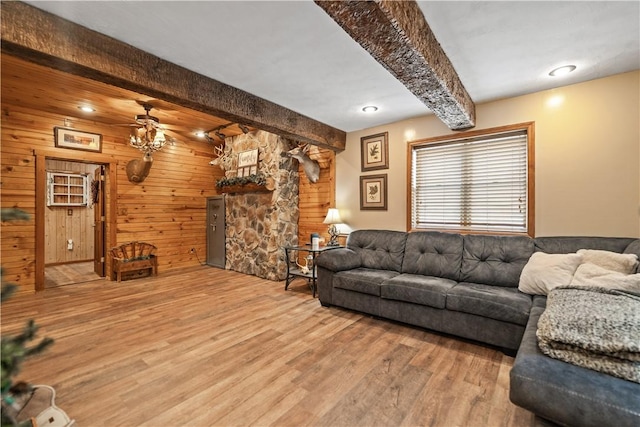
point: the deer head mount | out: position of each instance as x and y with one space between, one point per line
221 158
138 169
310 167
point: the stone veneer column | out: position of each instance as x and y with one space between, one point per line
259 224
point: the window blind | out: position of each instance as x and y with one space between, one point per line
477 184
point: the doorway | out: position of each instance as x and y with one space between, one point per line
216 232
81 238
74 232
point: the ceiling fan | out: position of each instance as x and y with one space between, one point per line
147 135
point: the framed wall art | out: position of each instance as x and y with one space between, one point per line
248 162
373 192
77 140
375 151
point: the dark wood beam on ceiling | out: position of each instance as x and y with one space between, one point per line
397 35
43 38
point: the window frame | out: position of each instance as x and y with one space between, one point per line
528 127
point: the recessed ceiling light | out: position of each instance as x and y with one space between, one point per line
561 71
200 134
370 109
86 108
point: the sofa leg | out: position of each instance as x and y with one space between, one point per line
324 304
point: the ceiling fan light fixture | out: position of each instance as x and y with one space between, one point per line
370 109
148 141
561 71
150 137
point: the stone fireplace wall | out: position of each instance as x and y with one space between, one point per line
259 224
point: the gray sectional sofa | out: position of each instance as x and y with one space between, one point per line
467 285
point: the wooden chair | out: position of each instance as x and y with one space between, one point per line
134 258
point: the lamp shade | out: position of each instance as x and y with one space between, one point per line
333 217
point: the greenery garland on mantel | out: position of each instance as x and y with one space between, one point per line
243 184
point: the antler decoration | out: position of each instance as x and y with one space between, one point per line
220 158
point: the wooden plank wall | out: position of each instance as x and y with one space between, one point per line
59 226
317 198
168 209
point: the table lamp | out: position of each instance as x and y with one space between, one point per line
333 218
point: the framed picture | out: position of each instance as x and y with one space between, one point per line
77 140
247 162
375 151
373 192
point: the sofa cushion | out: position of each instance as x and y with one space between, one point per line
495 260
417 289
621 263
544 272
363 280
381 249
494 302
433 253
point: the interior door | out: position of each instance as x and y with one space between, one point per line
97 193
216 233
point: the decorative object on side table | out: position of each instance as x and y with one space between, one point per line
333 218
375 152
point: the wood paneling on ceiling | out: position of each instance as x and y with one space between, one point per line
41 88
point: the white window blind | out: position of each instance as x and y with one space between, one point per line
477 184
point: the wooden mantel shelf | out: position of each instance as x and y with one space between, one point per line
244 188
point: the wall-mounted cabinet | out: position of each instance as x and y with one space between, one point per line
67 189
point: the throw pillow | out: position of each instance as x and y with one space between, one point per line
589 274
544 272
622 263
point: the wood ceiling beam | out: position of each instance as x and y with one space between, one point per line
397 35
43 38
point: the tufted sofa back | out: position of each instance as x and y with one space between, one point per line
380 249
565 245
495 260
431 253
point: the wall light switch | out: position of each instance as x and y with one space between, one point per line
69 212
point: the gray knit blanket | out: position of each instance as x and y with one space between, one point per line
596 328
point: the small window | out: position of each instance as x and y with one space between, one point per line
67 189
481 181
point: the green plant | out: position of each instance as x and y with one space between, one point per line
14 349
242 180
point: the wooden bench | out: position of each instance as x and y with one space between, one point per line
134 259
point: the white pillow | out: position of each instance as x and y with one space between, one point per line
544 272
593 275
622 263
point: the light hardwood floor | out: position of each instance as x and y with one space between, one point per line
69 274
209 347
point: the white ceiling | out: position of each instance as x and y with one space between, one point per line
292 53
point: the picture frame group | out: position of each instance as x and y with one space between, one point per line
374 151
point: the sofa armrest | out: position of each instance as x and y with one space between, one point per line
339 259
